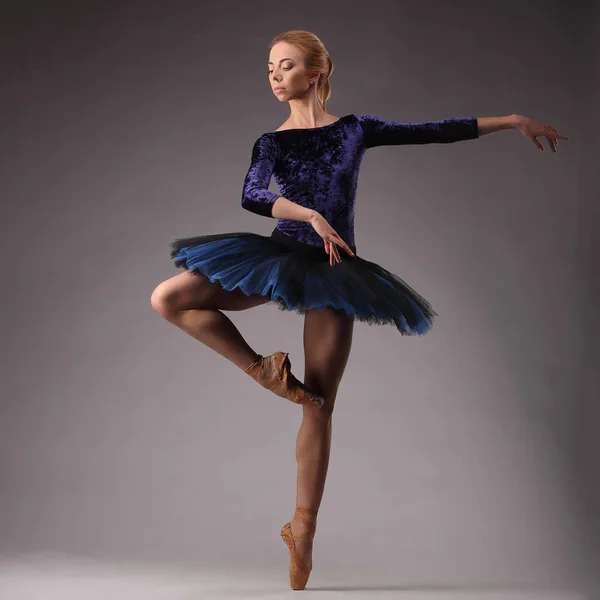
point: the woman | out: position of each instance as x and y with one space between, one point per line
315 159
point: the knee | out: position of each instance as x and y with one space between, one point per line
161 300
326 411
328 393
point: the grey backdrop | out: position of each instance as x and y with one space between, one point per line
462 458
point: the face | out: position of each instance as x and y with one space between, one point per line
286 71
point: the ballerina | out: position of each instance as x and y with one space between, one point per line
314 157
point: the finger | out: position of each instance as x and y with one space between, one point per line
555 133
329 244
340 242
333 251
345 246
553 138
539 146
337 253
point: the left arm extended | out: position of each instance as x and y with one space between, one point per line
528 127
381 132
492 124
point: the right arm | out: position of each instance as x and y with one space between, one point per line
256 196
286 209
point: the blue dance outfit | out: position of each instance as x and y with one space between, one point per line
317 168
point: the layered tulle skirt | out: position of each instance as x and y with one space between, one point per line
298 277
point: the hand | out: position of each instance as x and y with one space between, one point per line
532 129
330 237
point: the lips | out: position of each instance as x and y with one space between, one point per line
277 89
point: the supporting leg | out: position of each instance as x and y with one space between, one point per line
327 344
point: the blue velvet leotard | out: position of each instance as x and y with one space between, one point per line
318 167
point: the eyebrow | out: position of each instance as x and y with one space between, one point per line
270 63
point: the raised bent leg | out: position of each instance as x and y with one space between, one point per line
192 303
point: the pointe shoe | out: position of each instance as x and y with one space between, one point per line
280 380
299 572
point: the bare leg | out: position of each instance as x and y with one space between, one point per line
190 302
327 344
217 331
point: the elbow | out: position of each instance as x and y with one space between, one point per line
246 203
253 203
250 205
249 198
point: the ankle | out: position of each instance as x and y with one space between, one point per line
253 362
305 518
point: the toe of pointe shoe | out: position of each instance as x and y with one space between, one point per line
298 571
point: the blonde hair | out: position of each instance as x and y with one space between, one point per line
316 58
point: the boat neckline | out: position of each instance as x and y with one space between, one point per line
313 128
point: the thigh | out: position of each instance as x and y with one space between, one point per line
189 290
327 344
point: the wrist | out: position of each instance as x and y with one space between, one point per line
312 215
515 120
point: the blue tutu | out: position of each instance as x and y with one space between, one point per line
298 277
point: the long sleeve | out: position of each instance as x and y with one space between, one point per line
379 132
256 196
